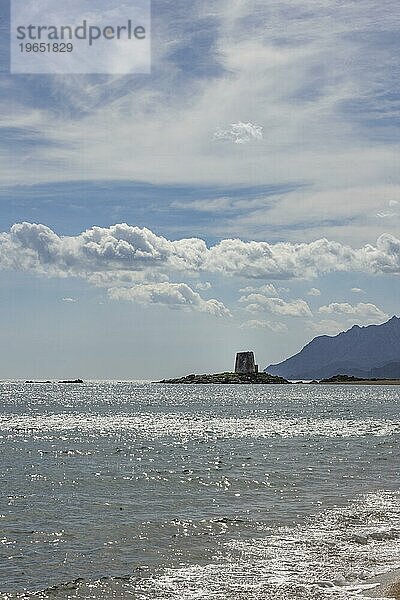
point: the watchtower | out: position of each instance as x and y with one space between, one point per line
245 363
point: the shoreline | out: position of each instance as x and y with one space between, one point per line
362 382
217 378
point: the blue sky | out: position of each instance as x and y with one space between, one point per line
264 128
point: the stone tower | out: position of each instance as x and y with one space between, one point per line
245 363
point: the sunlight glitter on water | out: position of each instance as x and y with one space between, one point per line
128 490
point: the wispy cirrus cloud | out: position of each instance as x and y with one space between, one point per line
283 71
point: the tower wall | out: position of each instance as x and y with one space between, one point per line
245 362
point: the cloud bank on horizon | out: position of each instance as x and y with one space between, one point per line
137 265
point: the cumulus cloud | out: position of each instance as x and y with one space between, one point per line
134 250
268 289
274 326
362 312
314 292
173 295
259 303
120 278
327 327
285 260
240 133
279 261
143 265
203 285
69 300
30 246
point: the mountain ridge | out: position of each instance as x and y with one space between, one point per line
362 351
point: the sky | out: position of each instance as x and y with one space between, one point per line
243 196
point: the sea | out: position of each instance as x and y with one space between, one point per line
225 492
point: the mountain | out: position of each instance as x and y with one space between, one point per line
372 351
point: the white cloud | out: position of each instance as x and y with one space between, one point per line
279 261
357 290
118 278
214 205
29 246
389 214
386 215
285 73
268 289
257 303
314 292
274 326
240 133
69 300
109 252
172 295
365 313
203 286
346 214
327 327
143 265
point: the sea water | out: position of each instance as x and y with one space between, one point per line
151 491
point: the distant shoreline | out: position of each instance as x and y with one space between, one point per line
362 382
266 379
221 379
351 380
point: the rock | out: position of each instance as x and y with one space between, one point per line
228 378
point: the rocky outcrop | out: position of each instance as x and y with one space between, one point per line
229 378
337 379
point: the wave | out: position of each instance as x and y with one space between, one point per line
334 555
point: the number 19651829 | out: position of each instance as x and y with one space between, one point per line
46 47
